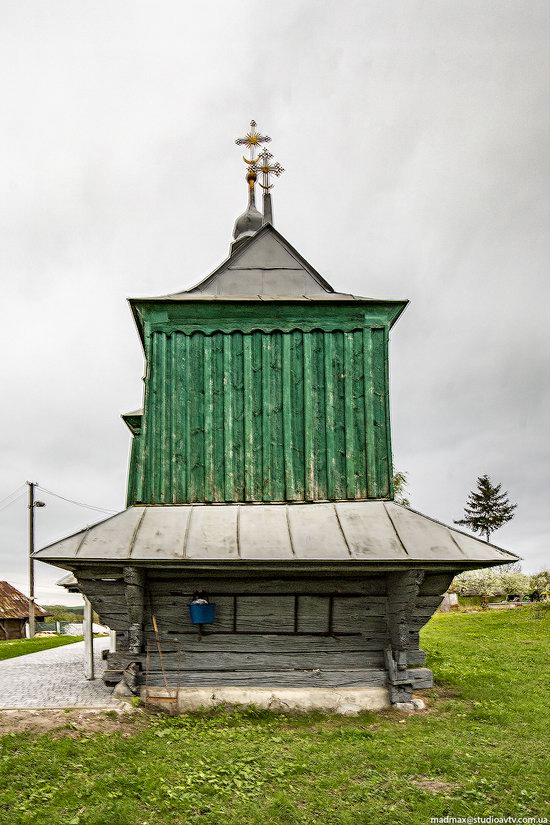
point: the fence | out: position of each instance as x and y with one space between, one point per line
68 628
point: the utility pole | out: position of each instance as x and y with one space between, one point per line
31 505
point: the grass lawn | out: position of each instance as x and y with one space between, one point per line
20 647
481 750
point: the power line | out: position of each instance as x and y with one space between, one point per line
11 494
12 501
78 503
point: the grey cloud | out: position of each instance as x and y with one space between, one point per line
414 139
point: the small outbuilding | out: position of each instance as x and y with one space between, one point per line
14 612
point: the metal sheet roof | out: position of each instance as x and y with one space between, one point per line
14 604
363 531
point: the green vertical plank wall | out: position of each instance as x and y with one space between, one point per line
264 415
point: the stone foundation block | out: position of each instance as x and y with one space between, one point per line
345 701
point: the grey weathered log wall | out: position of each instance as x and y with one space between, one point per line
274 632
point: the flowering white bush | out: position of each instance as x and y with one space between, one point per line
492 582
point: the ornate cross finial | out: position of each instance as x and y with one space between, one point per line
252 139
266 168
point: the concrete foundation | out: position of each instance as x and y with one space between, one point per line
346 701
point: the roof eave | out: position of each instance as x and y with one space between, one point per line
289 566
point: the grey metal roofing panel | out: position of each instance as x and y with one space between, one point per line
423 538
362 531
266 538
117 534
213 533
266 249
161 533
369 532
316 532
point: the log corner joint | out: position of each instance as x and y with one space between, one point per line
134 587
402 592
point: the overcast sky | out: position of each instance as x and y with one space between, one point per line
415 139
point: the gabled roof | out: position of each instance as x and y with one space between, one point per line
265 268
369 532
265 264
15 605
133 420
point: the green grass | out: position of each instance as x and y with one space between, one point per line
20 647
483 746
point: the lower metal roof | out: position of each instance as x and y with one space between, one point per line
363 531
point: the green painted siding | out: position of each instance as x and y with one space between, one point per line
284 414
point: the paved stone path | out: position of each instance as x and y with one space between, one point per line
54 678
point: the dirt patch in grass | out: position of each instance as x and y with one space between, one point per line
71 722
434 785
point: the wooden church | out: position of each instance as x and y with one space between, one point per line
260 493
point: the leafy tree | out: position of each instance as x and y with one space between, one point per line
487 508
64 613
540 582
400 489
493 582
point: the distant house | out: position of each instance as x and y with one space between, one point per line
14 612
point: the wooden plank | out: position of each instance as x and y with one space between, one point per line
196 411
186 660
297 414
162 586
309 459
313 614
288 645
435 584
276 413
173 611
218 479
266 418
288 434
380 411
339 439
174 419
273 678
415 657
256 425
330 419
319 412
248 422
259 614
349 416
228 420
422 678
165 435
209 461
354 614
237 381
360 441
370 435
179 418
187 379
153 413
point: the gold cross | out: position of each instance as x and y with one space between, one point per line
267 168
252 139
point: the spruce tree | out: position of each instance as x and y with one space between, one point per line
487 508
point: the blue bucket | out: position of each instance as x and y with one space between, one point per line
202 613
